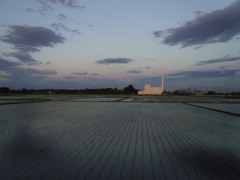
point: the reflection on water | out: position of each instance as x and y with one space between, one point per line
24 143
79 140
217 165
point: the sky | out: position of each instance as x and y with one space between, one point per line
78 44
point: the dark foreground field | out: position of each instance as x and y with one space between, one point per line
119 138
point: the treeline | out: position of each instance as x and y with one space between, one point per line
127 90
208 93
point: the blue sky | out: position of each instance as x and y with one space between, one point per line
78 44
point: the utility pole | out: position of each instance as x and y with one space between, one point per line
162 80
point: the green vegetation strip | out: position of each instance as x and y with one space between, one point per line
212 109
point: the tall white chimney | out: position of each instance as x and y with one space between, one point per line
162 81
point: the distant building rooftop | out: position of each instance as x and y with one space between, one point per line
148 89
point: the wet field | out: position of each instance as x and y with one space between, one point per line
135 137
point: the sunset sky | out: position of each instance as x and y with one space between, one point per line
78 44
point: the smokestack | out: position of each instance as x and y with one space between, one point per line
162 81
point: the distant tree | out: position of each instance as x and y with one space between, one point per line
211 93
4 89
177 92
165 92
129 89
24 90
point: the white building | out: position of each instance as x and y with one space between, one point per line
148 89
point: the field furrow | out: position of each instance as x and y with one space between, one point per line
117 140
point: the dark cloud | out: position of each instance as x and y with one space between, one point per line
25 58
80 73
198 13
45 7
13 75
61 17
204 74
60 26
217 26
27 78
158 33
31 39
134 71
94 74
20 73
219 60
31 71
16 69
66 3
48 5
6 64
90 25
114 61
30 10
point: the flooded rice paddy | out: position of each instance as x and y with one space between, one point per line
114 139
234 108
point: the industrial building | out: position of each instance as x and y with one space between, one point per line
150 90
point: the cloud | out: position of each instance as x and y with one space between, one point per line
48 5
45 7
149 68
237 73
31 10
94 74
6 64
80 73
217 26
13 75
15 68
139 70
198 13
61 17
203 74
31 71
48 63
83 74
114 61
17 72
27 78
65 3
25 58
219 60
158 33
3 74
134 71
59 26
30 39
